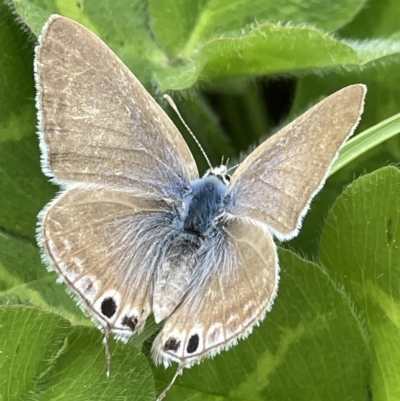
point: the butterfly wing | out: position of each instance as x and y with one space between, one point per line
271 189
235 286
105 244
97 122
118 157
276 182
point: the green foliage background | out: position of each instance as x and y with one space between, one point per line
334 331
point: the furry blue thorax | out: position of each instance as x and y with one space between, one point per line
203 204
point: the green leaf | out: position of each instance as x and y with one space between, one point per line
367 140
361 246
29 343
378 19
260 50
310 347
193 22
80 371
24 279
370 51
20 177
42 357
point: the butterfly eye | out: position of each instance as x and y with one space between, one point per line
193 344
108 307
228 177
172 344
130 322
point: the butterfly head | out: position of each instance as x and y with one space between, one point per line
221 172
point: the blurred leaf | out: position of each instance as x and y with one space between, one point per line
374 50
20 177
377 19
382 95
310 347
361 246
203 122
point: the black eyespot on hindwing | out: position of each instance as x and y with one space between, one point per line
131 322
193 344
172 344
108 307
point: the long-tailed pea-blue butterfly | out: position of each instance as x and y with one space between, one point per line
135 231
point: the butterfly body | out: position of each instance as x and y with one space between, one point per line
207 200
135 231
198 215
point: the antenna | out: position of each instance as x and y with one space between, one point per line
231 168
165 391
173 105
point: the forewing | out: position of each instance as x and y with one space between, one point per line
276 182
106 246
97 122
236 285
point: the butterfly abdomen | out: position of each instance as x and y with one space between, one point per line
173 278
206 201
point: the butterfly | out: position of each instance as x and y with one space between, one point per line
136 231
